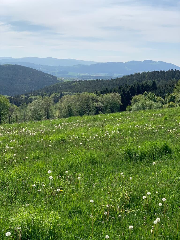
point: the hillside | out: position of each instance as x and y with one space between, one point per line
84 70
15 79
111 176
162 79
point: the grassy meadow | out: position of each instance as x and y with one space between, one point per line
112 176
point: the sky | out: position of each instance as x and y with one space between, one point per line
97 30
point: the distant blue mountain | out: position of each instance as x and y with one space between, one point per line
79 69
49 61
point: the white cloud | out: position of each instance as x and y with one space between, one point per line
127 26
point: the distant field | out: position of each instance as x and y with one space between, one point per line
114 176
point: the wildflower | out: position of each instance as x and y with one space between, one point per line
33 185
148 193
107 237
79 178
50 177
59 190
49 171
66 172
163 199
157 220
130 178
154 163
105 213
144 197
91 201
160 204
130 227
8 234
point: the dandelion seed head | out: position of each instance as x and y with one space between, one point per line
160 204
157 220
8 234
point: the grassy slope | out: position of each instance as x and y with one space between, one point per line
113 160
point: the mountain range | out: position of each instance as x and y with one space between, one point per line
84 70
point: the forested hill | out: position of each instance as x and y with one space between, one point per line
15 79
165 80
84 70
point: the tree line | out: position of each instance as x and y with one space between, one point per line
80 104
136 96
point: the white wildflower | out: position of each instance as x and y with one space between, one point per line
107 237
130 227
49 171
157 220
144 197
50 177
148 193
8 234
160 204
91 201
163 199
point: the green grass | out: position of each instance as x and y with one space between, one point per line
116 160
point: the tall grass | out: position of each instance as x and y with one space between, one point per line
112 176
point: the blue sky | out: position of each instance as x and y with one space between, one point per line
103 30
